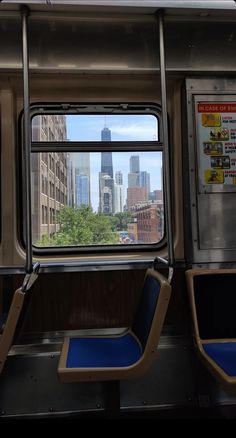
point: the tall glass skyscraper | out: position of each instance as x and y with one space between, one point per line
145 180
106 157
83 168
82 190
106 134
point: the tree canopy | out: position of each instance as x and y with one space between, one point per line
81 226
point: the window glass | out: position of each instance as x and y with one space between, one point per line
110 197
95 127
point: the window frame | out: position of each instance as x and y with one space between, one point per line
40 109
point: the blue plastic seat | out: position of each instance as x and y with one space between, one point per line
94 352
119 354
215 340
224 355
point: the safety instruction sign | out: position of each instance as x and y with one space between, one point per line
216 133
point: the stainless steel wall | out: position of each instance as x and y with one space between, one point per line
118 44
212 207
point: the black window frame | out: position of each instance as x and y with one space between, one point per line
40 109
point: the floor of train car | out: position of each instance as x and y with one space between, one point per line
177 386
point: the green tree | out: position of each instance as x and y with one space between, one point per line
123 219
81 226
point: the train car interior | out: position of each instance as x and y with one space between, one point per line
117 191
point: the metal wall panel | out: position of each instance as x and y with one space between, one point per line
216 221
29 385
116 44
212 4
213 209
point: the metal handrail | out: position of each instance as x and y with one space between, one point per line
166 154
27 139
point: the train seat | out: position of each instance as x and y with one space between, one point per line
10 324
213 302
122 353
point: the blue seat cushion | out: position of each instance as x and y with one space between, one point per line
116 351
224 355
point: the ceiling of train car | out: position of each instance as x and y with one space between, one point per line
127 36
218 4
128 45
147 6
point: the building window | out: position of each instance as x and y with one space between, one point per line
105 178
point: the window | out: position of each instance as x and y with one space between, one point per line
101 180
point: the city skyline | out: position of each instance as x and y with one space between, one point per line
109 182
150 159
125 128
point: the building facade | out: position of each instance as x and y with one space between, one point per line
150 222
136 195
49 176
106 194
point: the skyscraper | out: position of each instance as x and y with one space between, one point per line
106 181
106 157
83 169
106 194
119 192
82 190
145 180
106 134
119 178
133 179
71 181
134 164
134 174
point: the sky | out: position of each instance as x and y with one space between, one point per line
123 127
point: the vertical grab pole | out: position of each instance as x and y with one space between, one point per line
27 140
166 155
